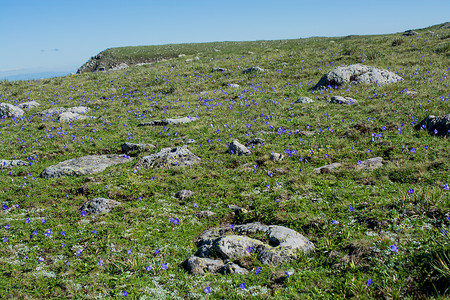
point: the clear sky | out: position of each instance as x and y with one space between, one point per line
60 35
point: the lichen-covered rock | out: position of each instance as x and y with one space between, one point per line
8 110
90 164
184 194
341 100
304 100
99 205
256 141
357 73
327 168
5 164
129 147
371 163
169 121
169 157
70 116
237 148
29 104
436 125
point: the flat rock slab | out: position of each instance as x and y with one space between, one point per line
8 110
304 100
341 100
169 121
370 164
5 164
225 244
359 74
237 148
168 157
29 104
99 205
70 116
327 168
129 147
90 164
436 125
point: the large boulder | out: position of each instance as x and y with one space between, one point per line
99 205
90 164
8 110
168 157
437 125
169 121
359 74
225 244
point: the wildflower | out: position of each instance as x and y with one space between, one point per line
257 270
63 245
164 266
411 191
40 259
394 248
100 262
27 220
83 213
351 208
232 227
44 221
369 282
5 207
445 187
207 290
195 205
5 240
63 233
6 226
79 252
157 251
334 222
148 268
94 231
125 293
413 150
250 249
289 273
129 252
242 286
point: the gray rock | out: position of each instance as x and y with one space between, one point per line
169 121
129 147
168 157
99 205
371 163
276 156
410 33
252 70
256 141
52 111
218 70
232 268
119 67
232 246
199 265
357 73
327 168
436 125
90 164
8 110
70 116
410 93
234 85
304 100
237 148
204 214
341 100
184 194
5 164
29 104
78 109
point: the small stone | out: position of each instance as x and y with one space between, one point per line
256 141
234 85
129 147
276 156
218 70
78 109
184 194
341 100
327 168
204 214
52 111
169 157
70 116
252 70
28 105
371 163
5 164
436 125
199 265
99 205
304 100
237 148
410 33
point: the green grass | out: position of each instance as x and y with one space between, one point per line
347 254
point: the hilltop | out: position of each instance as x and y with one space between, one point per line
287 169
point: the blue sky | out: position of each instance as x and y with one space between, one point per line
60 35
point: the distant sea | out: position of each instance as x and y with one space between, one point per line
33 76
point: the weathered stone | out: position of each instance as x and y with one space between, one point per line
232 268
204 214
119 67
218 70
410 33
237 148
8 110
4 163
199 265
234 85
52 111
70 116
78 109
371 163
90 164
29 104
304 100
168 157
276 156
410 93
341 100
129 147
184 194
357 73
99 205
252 70
169 121
327 168
256 141
436 125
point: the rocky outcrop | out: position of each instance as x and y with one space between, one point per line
358 74
90 164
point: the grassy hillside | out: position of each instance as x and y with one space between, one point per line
391 237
